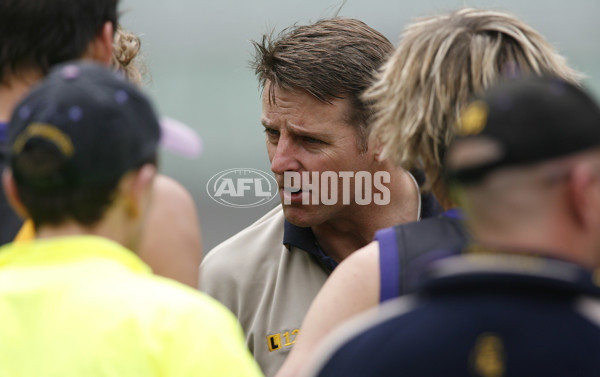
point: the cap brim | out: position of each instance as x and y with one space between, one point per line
179 138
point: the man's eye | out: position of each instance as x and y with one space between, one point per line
271 132
312 140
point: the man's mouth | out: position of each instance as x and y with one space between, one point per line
292 190
293 195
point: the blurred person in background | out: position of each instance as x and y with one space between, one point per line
37 36
77 300
522 299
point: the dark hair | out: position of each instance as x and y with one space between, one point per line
332 58
37 34
41 173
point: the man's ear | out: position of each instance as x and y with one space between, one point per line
12 195
101 48
375 147
139 189
584 194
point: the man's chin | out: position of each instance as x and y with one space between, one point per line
299 216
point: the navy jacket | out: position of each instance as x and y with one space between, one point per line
480 315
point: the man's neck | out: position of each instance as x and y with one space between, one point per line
63 230
12 91
103 228
340 238
561 241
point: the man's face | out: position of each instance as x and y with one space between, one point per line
304 134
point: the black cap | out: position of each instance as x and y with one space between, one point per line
520 122
96 125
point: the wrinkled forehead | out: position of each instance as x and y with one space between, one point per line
299 103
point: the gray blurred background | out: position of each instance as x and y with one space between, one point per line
197 54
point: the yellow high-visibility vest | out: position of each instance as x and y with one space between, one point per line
86 306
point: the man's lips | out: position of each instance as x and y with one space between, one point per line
291 190
292 195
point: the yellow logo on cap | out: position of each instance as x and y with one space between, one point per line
48 132
488 356
473 119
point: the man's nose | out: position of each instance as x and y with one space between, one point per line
285 156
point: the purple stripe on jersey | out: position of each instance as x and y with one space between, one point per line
454 213
3 131
389 269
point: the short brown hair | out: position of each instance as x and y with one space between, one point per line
441 62
332 58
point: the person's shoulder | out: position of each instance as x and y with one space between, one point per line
173 208
417 235
172 192
442 226
164 297
364 327
188 302
263 234
189 329
429 221
370 321
172 245
233 266
363 262
272 220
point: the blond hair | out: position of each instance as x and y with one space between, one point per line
126 57
441 62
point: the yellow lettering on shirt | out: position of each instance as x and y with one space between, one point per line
274 341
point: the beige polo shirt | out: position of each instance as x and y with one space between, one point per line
269 286
266 285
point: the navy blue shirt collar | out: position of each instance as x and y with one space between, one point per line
3 132
3 143
304 239
508 271
430 207
454 213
